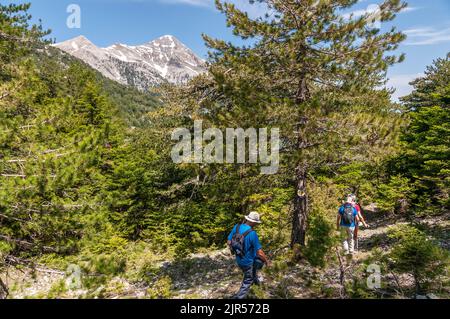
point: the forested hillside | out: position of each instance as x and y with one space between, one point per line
87 179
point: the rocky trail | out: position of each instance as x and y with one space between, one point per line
214 274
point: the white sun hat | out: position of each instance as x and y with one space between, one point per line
253 217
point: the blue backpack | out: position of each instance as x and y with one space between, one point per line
348 216
237 242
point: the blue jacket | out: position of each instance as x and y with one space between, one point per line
251 245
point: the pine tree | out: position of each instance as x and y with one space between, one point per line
55 130
17 36
309 71
430 89
425 155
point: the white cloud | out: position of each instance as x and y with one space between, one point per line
400 83
359 13
427 36
373 9
254 10
409 9
198 3
371 14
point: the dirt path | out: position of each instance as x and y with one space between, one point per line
215 275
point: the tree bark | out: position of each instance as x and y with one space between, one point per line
300 214
3 290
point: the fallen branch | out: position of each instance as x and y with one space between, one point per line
13 175
12 218
23 176
343 291
397 283
14 261
49 271
28 245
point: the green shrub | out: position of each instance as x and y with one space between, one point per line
417 255
57 290
394 196
161 289
320 239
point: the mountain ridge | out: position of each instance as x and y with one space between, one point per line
165 59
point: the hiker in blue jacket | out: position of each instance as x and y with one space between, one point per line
347 219
243 241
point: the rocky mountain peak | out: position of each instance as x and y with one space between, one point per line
160 60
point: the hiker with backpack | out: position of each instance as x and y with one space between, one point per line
354 201
362 221
244 243
347 220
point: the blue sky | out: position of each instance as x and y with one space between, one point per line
104 22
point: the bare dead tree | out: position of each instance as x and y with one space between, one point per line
342 269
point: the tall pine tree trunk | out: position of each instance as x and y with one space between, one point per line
300 214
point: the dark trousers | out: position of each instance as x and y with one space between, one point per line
250 278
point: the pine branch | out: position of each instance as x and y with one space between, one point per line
27 245
25 176
22 40
12 218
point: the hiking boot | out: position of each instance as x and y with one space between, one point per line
258 280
